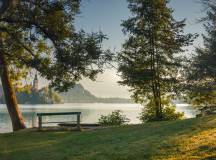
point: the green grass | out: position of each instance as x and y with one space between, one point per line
192 139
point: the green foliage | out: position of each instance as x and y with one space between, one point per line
115 118
40 35
48 96
201 99
169 113
152 55
31 96
148 113
201 73
17 76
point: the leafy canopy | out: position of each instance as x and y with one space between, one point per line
40 34
201 74
152 55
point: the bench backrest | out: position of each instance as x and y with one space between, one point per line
58 113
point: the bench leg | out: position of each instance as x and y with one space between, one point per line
40 122
78 122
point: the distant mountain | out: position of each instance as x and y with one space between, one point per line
79 94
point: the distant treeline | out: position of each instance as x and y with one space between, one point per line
31 96
47 96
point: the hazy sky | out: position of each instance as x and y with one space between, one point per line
107 15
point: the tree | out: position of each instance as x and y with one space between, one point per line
201 73
40 35
151 57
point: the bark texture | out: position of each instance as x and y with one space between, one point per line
10 96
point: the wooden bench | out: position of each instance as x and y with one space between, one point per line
40 115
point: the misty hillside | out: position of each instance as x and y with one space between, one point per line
79 94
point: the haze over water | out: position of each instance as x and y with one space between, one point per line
91 112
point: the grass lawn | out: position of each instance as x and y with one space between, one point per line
192 139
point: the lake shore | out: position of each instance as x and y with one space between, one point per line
90 112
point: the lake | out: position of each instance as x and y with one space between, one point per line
90 113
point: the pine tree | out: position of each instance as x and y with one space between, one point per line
201 75
151 56
40 35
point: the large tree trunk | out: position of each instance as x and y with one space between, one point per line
10 96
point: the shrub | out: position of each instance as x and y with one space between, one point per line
148 113
115 118
168 113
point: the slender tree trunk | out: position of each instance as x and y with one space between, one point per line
157 106
155 77
10 96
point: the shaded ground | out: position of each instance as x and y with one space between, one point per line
192 139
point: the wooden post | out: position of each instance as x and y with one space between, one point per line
78 122
40 122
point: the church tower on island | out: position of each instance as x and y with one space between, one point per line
35 83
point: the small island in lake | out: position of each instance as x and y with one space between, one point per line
46 95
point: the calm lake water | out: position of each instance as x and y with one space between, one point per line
90 113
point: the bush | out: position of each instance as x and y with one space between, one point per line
168 113
148 113
115 118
